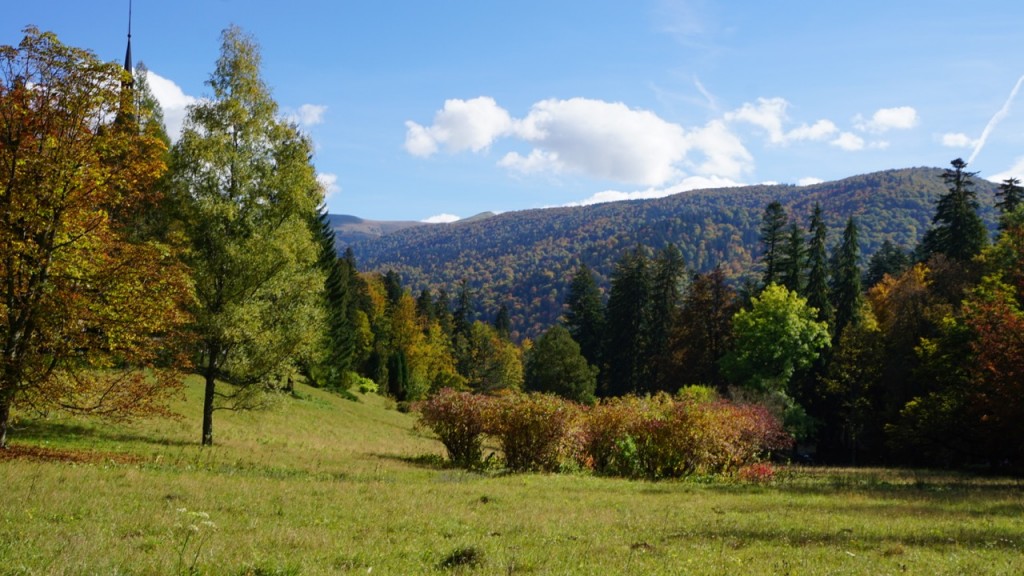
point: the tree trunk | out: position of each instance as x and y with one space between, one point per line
211 380
5 416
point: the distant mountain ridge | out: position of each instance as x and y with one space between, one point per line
525 259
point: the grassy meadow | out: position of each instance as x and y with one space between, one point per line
320 485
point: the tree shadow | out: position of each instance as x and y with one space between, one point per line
48 430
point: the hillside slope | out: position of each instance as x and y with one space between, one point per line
525 259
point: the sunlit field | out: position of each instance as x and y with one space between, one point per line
320 485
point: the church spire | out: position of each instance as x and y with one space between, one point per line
128 51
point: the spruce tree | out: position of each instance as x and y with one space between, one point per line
888 259
791 260
666 298
772 225
846 288
335 360
585 315
818 268
957 231
1011 195
627 343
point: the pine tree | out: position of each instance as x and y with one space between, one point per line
704 330
957 231
888 259
817 263
503 322
846 289
335 360
772 225
584 314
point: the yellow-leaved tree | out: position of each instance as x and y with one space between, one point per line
86 304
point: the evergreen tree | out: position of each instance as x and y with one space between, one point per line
503 322
247 193
556 365
665 301
818 267
889 259
791 260
1011 195
957 231
335 360
846 289
584 314
772 225
628 323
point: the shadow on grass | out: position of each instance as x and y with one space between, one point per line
52 431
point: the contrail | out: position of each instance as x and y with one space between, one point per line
996 119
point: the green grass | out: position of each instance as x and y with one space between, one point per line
319 485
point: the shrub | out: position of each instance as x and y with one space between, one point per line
459 420
532 429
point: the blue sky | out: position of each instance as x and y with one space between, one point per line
446 108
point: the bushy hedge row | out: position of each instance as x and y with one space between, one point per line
652 437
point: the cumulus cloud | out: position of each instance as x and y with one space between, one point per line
599 139
958 140
809 181
848 141
691 183
460 125
770 114
329 183
173 101
602 139
1015 171
307 115
441 219
885 119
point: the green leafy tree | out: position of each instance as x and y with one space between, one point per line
777 336
957 230
584 314
247 194
85 301
494 363
773 224
556 365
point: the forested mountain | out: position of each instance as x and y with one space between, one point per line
524 259
352 229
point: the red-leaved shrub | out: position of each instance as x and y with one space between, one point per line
459 419
531 429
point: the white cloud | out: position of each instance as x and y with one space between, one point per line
885 119
599 139
724 153
460 125
848 141
1015 171
329 182
691 183
809 181
770 115
537 161
307 115
441 219
958 140
173 101
604 139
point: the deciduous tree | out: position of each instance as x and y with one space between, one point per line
247 194
84 302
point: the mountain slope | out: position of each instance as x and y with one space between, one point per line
525 259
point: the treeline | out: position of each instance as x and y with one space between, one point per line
524 260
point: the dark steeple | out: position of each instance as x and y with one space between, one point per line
128 52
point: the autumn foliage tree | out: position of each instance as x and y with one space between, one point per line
84 303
